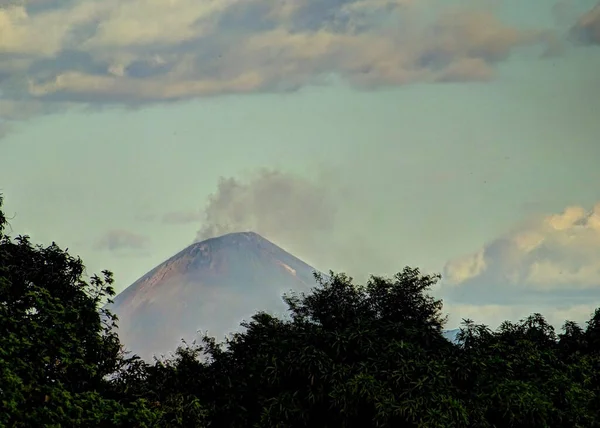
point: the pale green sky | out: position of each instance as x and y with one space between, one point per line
421 173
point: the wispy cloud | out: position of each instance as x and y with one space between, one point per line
119 239
57 52
182 217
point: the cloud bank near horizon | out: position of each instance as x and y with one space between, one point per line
56 54
549 264
548 253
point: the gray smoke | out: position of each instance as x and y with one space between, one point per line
282 207
321 220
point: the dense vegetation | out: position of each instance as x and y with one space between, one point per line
349 355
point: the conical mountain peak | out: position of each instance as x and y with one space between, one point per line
210 285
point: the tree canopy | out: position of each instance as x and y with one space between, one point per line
58 347
347 355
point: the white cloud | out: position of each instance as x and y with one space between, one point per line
556 252
465 268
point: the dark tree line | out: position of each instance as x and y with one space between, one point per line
348 355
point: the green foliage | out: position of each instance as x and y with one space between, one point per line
57 347
374 356
348 355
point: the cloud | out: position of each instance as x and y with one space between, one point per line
587 28
60 52
550 259
118 239
493 315
182 217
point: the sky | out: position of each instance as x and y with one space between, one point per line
461 137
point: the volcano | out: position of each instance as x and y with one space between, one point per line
211 286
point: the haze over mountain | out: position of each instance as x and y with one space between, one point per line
209 286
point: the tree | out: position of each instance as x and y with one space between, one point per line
348 356
58 347
373 355
520 376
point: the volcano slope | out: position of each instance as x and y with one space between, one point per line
211 286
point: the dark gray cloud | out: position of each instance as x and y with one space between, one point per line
38 6
142 69
249 16
313 15
84 62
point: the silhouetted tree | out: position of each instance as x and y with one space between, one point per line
348 356
374 356
57 346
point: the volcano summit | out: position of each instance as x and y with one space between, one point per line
209 286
